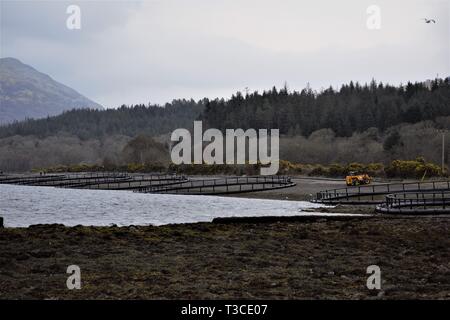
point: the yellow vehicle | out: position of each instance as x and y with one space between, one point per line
354 179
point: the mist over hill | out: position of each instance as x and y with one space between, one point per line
27 93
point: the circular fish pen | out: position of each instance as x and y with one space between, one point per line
94 180
416 203
375 194
219 186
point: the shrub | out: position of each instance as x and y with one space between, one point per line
337 170
319 170
412 169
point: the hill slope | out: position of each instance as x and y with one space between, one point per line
28 93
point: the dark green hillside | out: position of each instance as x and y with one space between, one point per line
353 108
127 121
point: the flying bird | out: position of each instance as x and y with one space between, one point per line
429 20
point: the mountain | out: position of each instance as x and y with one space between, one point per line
28 93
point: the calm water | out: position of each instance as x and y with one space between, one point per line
22 206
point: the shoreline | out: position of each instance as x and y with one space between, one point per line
281 257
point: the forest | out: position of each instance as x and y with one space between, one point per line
352 108
97 123
369 123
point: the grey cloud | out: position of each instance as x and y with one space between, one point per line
159 50
47 19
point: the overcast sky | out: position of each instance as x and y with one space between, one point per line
130 52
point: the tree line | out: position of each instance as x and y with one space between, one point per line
126 121
352 108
